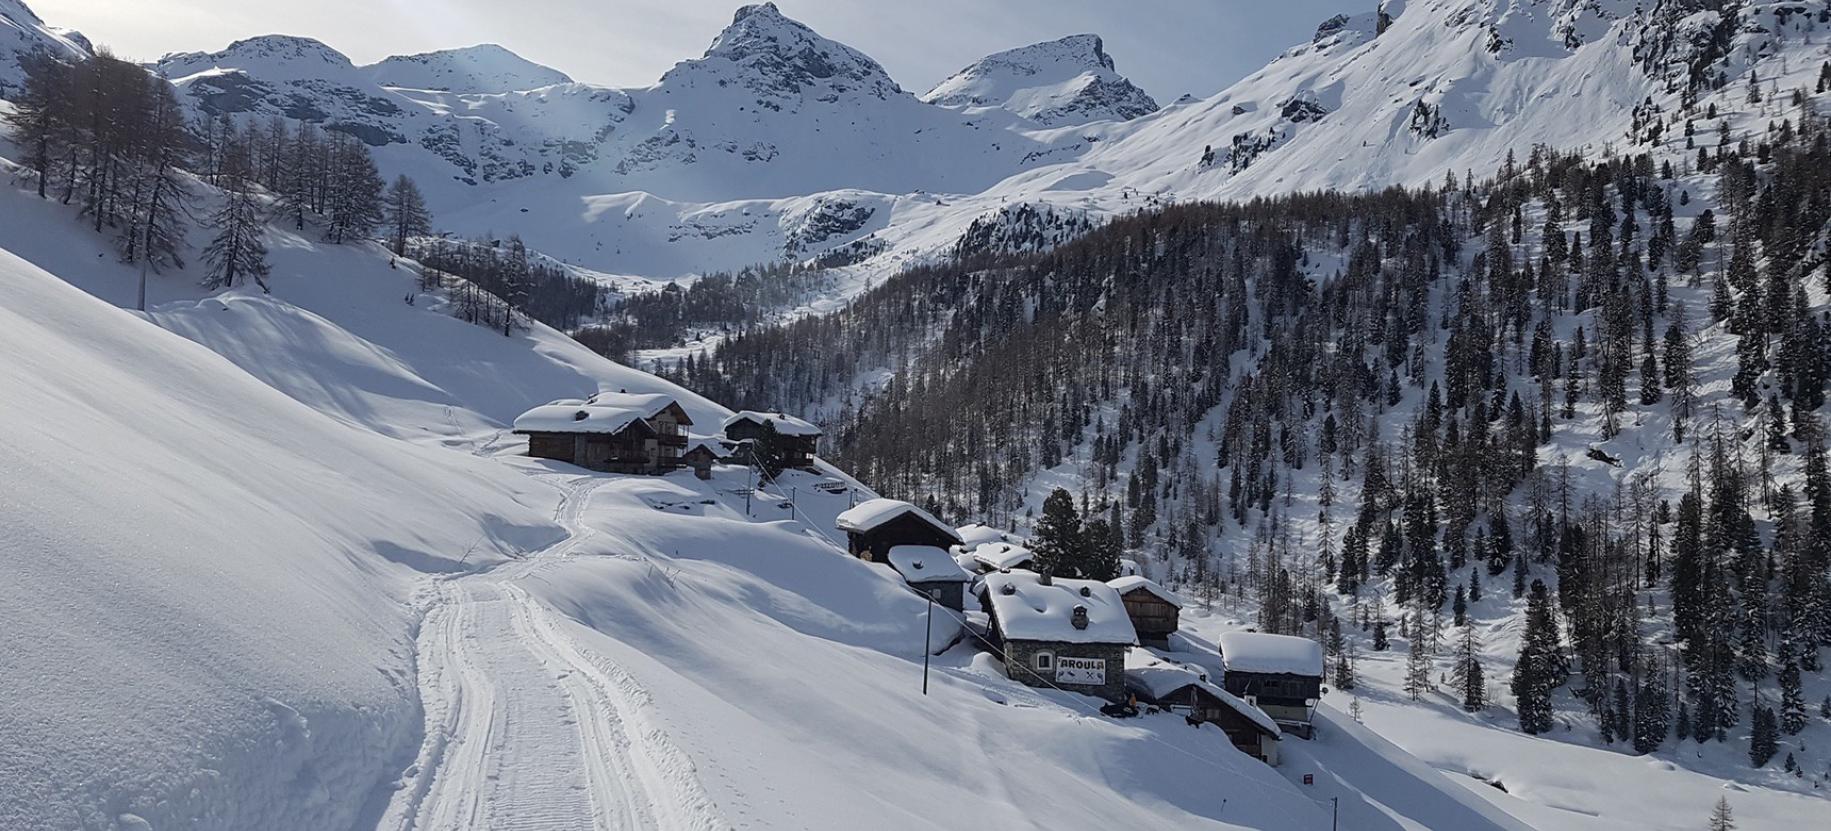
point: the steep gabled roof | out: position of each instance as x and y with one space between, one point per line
1133 582
711 444
872 513
649 404
786 424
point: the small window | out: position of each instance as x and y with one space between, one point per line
1043 661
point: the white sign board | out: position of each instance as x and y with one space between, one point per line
1080 670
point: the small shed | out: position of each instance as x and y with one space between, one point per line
1002 556
1154 609
589 435
1281 674
932 572
1186 690
799 437
875 526
1067 634
702 453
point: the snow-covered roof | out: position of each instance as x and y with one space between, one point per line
871 513
576 418
1271 654
1028 610
649 404
926 564
1134 581
1153 677
976 534
786 424
712 444
999 556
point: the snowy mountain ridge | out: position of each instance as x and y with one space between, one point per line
704 170
22 33
1070 81
483 68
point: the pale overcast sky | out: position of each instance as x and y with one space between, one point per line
1169 47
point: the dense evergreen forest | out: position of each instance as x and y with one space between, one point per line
1594 383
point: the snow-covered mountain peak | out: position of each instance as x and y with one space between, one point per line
483 68
1066 81
23 32
783 61
276 57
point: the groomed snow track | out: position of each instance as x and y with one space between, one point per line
525 729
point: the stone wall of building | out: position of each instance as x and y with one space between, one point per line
1020 663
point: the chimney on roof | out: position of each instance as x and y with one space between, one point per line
1080 617
1008 588
1045 579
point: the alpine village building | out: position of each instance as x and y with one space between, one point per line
1280 674
1179 688
1067 634
931 572
875 526
617 432
798 438
1154 609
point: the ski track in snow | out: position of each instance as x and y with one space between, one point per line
526 730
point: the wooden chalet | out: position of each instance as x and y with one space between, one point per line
663 413
875 526
614 432
931 572
1280 674
1183 689
1154 609
1064 634
798 437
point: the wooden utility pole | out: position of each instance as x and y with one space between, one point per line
927 640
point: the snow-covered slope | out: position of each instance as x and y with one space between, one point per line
1062 82
483 68
1427 86
204 610
273 563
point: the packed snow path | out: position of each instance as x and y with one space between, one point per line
525 730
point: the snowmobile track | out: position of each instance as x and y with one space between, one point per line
526 730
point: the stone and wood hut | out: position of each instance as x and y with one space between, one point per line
1068 634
